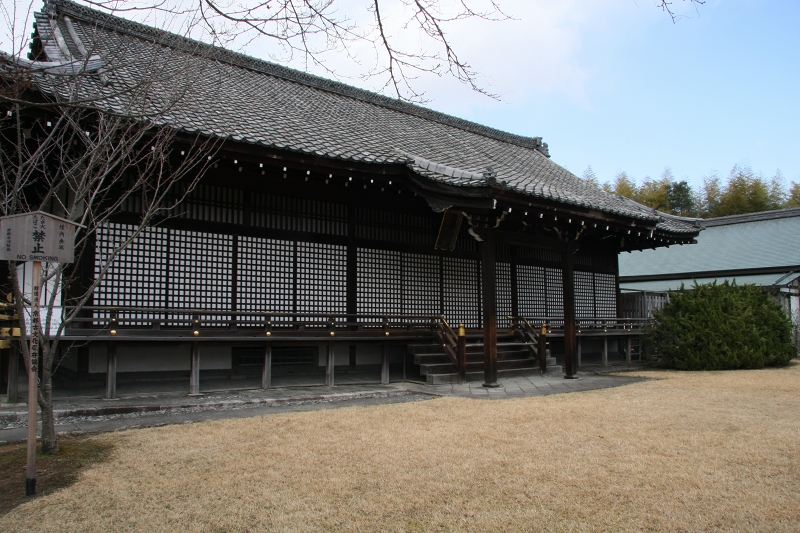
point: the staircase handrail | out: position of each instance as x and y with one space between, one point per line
530 336
448 338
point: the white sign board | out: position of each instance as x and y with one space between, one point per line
37 236
25 277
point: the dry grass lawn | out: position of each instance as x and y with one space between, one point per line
715 451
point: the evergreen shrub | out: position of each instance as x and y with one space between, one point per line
719 327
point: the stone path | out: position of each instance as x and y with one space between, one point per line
86 414
520 387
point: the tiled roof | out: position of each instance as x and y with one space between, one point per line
752 217
783 279
768 241
248 100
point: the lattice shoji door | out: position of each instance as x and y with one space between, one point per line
420 285
321 280
531 291
378 286
137 277
265 278
201 272
584 298
605 295
555 295
503 293
461 291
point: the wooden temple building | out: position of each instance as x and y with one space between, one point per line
343 224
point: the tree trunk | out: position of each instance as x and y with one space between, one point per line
49 436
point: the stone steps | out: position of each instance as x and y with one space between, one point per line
513 359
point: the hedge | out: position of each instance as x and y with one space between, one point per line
719 327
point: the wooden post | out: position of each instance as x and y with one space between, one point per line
36 237
385 366
488 282
111 371
266 370
194 372
385 359
462 354
12 392
580 351
605 350
33 380
330 365
568 291
543 349
628 350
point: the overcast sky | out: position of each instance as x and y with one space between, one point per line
616 85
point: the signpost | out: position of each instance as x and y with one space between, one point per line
36 237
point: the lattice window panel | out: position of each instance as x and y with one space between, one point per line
137 277
420 285
605 295
212 204
321 280
379 284
503 293
265 278
584 297
200 275
297 214
391 226
531 291
555 295
462 291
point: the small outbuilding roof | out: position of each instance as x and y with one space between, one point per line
761 248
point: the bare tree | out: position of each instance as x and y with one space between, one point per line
667 6
307 29
79 140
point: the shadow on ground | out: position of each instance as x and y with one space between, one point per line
53 472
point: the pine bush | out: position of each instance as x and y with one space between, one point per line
719 327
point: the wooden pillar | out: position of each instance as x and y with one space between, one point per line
12 392
462 353
111 371
605 350
331 360
628 350
266 370
194 372
385 366
580 351
543 349
488 292
568 291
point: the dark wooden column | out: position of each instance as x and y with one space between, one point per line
330 365
111 371
488 290
266 368
385 365
568 286
194 372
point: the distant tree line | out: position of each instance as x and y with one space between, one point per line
743 192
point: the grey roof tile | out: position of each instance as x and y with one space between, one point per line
232 95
